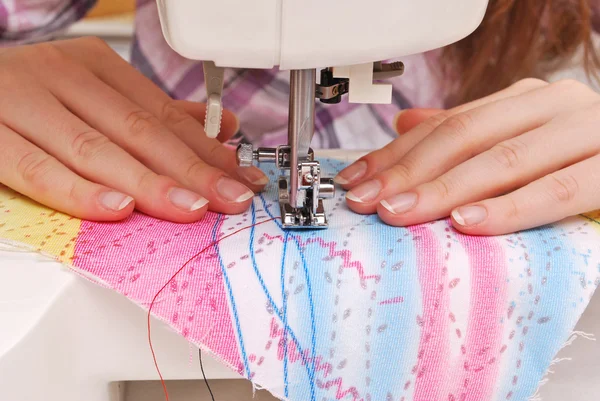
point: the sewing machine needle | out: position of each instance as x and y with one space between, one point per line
301 123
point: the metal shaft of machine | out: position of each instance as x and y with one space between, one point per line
301 123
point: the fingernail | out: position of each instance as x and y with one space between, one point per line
470 215
186 200
365 192
114 200
401 203
395 120
351 173
232 191
253 175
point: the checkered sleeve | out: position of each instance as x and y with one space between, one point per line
27 21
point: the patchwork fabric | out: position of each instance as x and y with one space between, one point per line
360 311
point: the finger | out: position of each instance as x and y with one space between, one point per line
127 81
568 192
230 125
211 150
143 136
29 170
468 134
93 156
506 167
406 120
382 159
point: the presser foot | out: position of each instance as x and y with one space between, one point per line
306 217
308 211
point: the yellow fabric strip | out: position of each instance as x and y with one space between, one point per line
25 221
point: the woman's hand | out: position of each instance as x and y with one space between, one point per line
83 132
520 158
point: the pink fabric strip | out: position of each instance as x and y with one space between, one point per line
433 355
483 342
198 292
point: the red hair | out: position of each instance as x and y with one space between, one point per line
519 39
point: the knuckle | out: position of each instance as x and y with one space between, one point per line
457 127
509 154
141 123
384 156
216 151
88 144
72 192
47 53
173 115
530 83
443 187
145 181
562 188
194 166
436 120
33 167
513 210
569 84
83 47
403 171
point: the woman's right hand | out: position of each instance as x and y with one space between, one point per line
83 132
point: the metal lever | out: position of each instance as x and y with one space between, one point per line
213 78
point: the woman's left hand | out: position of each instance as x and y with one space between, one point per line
520 158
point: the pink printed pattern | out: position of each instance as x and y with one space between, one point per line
344 299
345 255
433 356
484 332
137 257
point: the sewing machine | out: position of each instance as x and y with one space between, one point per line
344 39
63 338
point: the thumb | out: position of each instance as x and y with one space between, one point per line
406 120
230 125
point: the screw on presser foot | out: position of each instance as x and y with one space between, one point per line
246 155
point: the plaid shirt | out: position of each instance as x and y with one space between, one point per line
258 97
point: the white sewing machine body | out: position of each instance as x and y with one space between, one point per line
309 34
348 39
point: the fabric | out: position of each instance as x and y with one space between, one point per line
360 311
23 22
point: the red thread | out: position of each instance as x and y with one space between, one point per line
162 381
